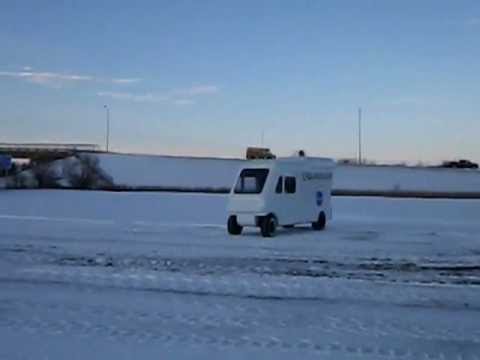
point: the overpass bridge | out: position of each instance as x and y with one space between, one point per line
45 151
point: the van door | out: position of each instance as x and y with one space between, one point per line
277 200
291 203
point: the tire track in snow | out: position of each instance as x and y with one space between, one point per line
408 271
350 323
83 328
261 287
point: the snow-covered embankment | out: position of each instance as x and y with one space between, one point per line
142 171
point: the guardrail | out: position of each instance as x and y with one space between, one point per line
48 147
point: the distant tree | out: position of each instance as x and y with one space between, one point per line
46 176
22 180
84 172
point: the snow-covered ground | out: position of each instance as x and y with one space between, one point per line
98 275
144 170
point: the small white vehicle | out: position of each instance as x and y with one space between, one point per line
282 192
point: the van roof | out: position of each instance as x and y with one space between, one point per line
294 161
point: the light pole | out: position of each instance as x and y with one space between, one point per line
360 136
107 138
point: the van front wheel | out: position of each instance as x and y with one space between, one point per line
268 225
233 227
321 222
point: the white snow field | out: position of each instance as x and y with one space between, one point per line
101 275
189 172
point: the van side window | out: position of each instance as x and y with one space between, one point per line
290 185
279 187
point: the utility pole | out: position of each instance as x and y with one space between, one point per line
262 137
107 138
360 136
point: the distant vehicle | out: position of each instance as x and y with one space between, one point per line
282 192
6 164
259 153
460 164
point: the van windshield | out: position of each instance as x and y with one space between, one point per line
251 181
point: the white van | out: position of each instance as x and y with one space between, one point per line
285 192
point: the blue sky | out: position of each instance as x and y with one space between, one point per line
207 77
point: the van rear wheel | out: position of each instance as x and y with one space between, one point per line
321 222
268 225
233 227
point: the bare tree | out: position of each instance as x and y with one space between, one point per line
84 172
46 175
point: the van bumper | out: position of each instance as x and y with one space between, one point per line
249 219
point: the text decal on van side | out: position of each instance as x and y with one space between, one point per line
308 176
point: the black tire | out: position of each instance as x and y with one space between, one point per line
268 225
321 222
233 227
